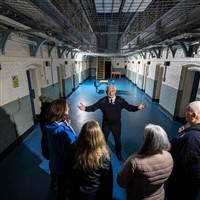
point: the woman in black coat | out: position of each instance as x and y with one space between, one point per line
92 175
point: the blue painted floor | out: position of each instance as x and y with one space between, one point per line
24 173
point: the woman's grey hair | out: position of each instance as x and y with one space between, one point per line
155 140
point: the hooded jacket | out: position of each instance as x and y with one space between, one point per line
60 137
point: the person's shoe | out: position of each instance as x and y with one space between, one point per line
119 156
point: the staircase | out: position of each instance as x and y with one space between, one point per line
100 69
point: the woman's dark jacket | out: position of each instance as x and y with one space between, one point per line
43 121
94 185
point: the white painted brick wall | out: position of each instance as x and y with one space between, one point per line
8 92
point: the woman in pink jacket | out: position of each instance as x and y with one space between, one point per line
144 174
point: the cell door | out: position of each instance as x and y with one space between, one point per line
32 94
158 82
60 80
107 69
195 94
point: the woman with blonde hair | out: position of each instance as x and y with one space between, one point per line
92 177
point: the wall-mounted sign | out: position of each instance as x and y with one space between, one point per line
15 81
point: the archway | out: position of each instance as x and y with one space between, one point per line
33 73
188 88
